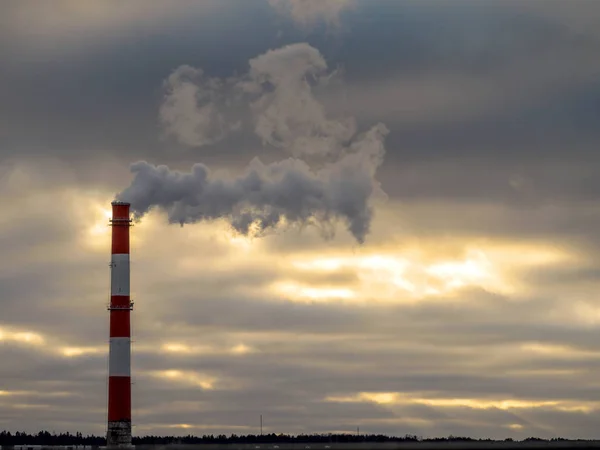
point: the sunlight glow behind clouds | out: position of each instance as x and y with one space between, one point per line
41 342
186 377
297 292
396 398
82 351
168 428
179 348
391 276
413 275
22 337
410 274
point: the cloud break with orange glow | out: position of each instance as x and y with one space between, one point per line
391 399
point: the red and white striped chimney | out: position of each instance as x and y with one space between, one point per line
119 360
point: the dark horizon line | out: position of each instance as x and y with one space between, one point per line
43 437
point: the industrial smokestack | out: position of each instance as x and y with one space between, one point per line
119 365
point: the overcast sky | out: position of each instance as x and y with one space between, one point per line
394 224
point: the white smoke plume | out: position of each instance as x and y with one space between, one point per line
309 12
191 107
286 113
267 196
279 90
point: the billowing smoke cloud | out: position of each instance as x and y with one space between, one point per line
310 12
267 196
190 110
286 113
279 91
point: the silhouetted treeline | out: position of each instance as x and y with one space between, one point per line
269 439
46 438
49 439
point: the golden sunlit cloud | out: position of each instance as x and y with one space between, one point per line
241 349
103 216
82 351
240 242
397 398
24 337
13 393
381 397
37 340
476 269
184 426
93 212
36 394
300 292
413 274
177 348
186 377
188 426
394 277
585 312
54 346
563 351
30 406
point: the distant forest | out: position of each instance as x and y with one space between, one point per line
49 439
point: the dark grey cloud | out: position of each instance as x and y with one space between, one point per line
308 14
114 75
